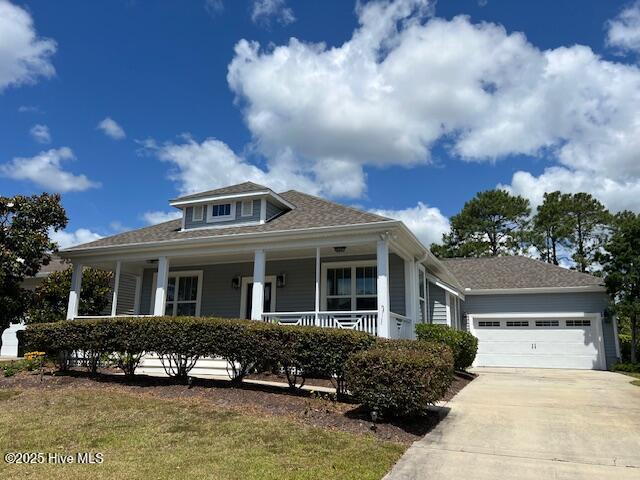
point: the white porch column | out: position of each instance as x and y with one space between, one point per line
136 298
257 298
161 286
384 319
116 284
74 293
317 304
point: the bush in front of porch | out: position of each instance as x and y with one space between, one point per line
463 345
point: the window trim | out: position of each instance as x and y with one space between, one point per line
249 212
200 218
423 293
221 218
176 274
354 296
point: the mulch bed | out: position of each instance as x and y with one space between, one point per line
310 409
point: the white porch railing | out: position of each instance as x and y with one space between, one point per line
401 326
362 320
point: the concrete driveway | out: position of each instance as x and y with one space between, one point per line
533 424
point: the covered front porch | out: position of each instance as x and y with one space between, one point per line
368 284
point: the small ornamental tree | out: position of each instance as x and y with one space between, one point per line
25 246
51 297
621 264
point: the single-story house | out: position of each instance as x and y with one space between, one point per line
245 251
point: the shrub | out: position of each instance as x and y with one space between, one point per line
627 367
396 380
463 345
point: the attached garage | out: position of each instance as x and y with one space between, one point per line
530 314
539 341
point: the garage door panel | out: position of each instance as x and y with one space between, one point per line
548 343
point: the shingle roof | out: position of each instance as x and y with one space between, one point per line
310 212
245 187
514 272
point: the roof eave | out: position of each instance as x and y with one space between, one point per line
528 290
178 203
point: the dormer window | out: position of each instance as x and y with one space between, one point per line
197 214
247 208
219 212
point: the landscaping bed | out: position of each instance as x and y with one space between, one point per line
307 408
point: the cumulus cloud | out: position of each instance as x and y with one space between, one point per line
427 223
40 133
45 169
155 217
406 80
111 128
66 239
213 7
623 31
198 166
264 11
24 57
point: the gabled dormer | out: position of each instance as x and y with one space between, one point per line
244 204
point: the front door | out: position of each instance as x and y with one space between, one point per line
268 299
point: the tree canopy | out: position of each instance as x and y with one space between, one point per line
25 246
490 224
550 226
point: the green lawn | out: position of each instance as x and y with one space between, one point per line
145 438
634 375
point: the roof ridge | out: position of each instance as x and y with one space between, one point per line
331 202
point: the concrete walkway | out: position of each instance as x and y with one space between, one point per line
533 424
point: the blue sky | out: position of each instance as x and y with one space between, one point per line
401 107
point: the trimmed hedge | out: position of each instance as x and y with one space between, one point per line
463 345
400 378
627 367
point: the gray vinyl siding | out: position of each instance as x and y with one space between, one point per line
273 210
437 304
255 217
219 298
588 302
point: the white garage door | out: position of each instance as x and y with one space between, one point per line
538 342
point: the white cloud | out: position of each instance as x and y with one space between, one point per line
45 169
40 133
66 239
29 109
405 80
153 218
23 56
212 164
213 7
111 128
263 11
623 31
427 223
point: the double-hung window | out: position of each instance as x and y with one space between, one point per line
221 211
351 287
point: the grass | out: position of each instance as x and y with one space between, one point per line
634 375
146 438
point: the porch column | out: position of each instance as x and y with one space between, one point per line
116 284
161 286
384 319
317 304
138 293
257 298
74 293
410 289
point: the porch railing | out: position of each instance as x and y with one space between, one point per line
361 320
401 326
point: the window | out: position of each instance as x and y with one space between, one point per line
491 323
351 287
517 324
547 323
578 323
247 208
183 293
219 212
197 214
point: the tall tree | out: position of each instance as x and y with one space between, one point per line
51 296
621 264
588 220
491 224
25 246
551 225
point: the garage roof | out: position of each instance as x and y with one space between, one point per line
497 273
